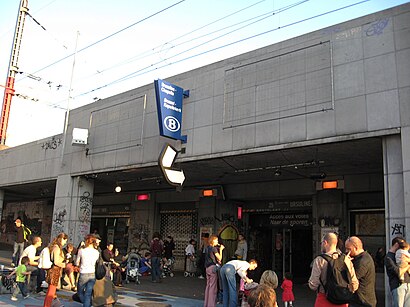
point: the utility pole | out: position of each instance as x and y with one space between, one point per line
13 69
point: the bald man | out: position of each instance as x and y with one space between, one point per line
365 271
319 270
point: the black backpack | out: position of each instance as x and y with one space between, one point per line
337 280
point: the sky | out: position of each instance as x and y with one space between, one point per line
76 52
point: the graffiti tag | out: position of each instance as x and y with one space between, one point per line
398 229
378 27
52 144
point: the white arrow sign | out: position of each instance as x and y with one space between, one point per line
165 161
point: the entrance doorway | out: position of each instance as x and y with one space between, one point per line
292 251
283 250
112 229
181 225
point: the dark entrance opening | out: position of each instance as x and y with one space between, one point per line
281 249
113 230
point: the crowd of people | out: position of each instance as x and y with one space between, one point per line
221 279
61 264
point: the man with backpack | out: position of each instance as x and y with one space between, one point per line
333 275
363 264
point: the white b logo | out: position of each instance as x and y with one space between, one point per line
172 124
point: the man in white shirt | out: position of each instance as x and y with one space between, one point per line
228 272
30 252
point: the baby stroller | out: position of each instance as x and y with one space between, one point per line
167 267
7 283
133 263
190 269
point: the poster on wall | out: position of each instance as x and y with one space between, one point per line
325 230
204 230
110 234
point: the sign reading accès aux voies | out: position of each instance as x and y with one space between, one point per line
169 107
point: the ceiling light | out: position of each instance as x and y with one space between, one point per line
278 172
118 189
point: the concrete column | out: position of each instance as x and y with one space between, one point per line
405 144
73 207
1 203
394 188
395 207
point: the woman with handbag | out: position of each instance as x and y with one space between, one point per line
213 258
86 259
59 262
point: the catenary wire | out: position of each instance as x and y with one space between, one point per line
149 66
223 46
152 51
109 36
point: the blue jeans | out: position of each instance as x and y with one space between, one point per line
21 287
156 268
17 251
401 295
228 277
85 288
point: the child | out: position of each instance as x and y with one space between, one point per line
287 295
145 264
400 259
21 273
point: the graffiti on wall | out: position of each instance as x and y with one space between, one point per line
52 144
59 217
226 218
33 214
207 220
377 27
139 235
398 229
86 203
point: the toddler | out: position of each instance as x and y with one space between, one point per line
21 273
287 295
402 260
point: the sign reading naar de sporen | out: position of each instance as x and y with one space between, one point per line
169 107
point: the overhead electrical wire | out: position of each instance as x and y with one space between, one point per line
152 51
138 73
262 17
109 36
141 56
213 39
133 75
95 43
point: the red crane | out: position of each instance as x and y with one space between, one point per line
13 69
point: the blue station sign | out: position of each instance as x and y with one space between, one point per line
169 107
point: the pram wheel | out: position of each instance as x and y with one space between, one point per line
186 274
192 274
171 274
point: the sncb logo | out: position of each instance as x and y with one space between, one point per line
172 124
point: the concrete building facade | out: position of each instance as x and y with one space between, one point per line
265 129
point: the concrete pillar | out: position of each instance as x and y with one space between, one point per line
395 207
1 203
72 207
394 188
405 144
